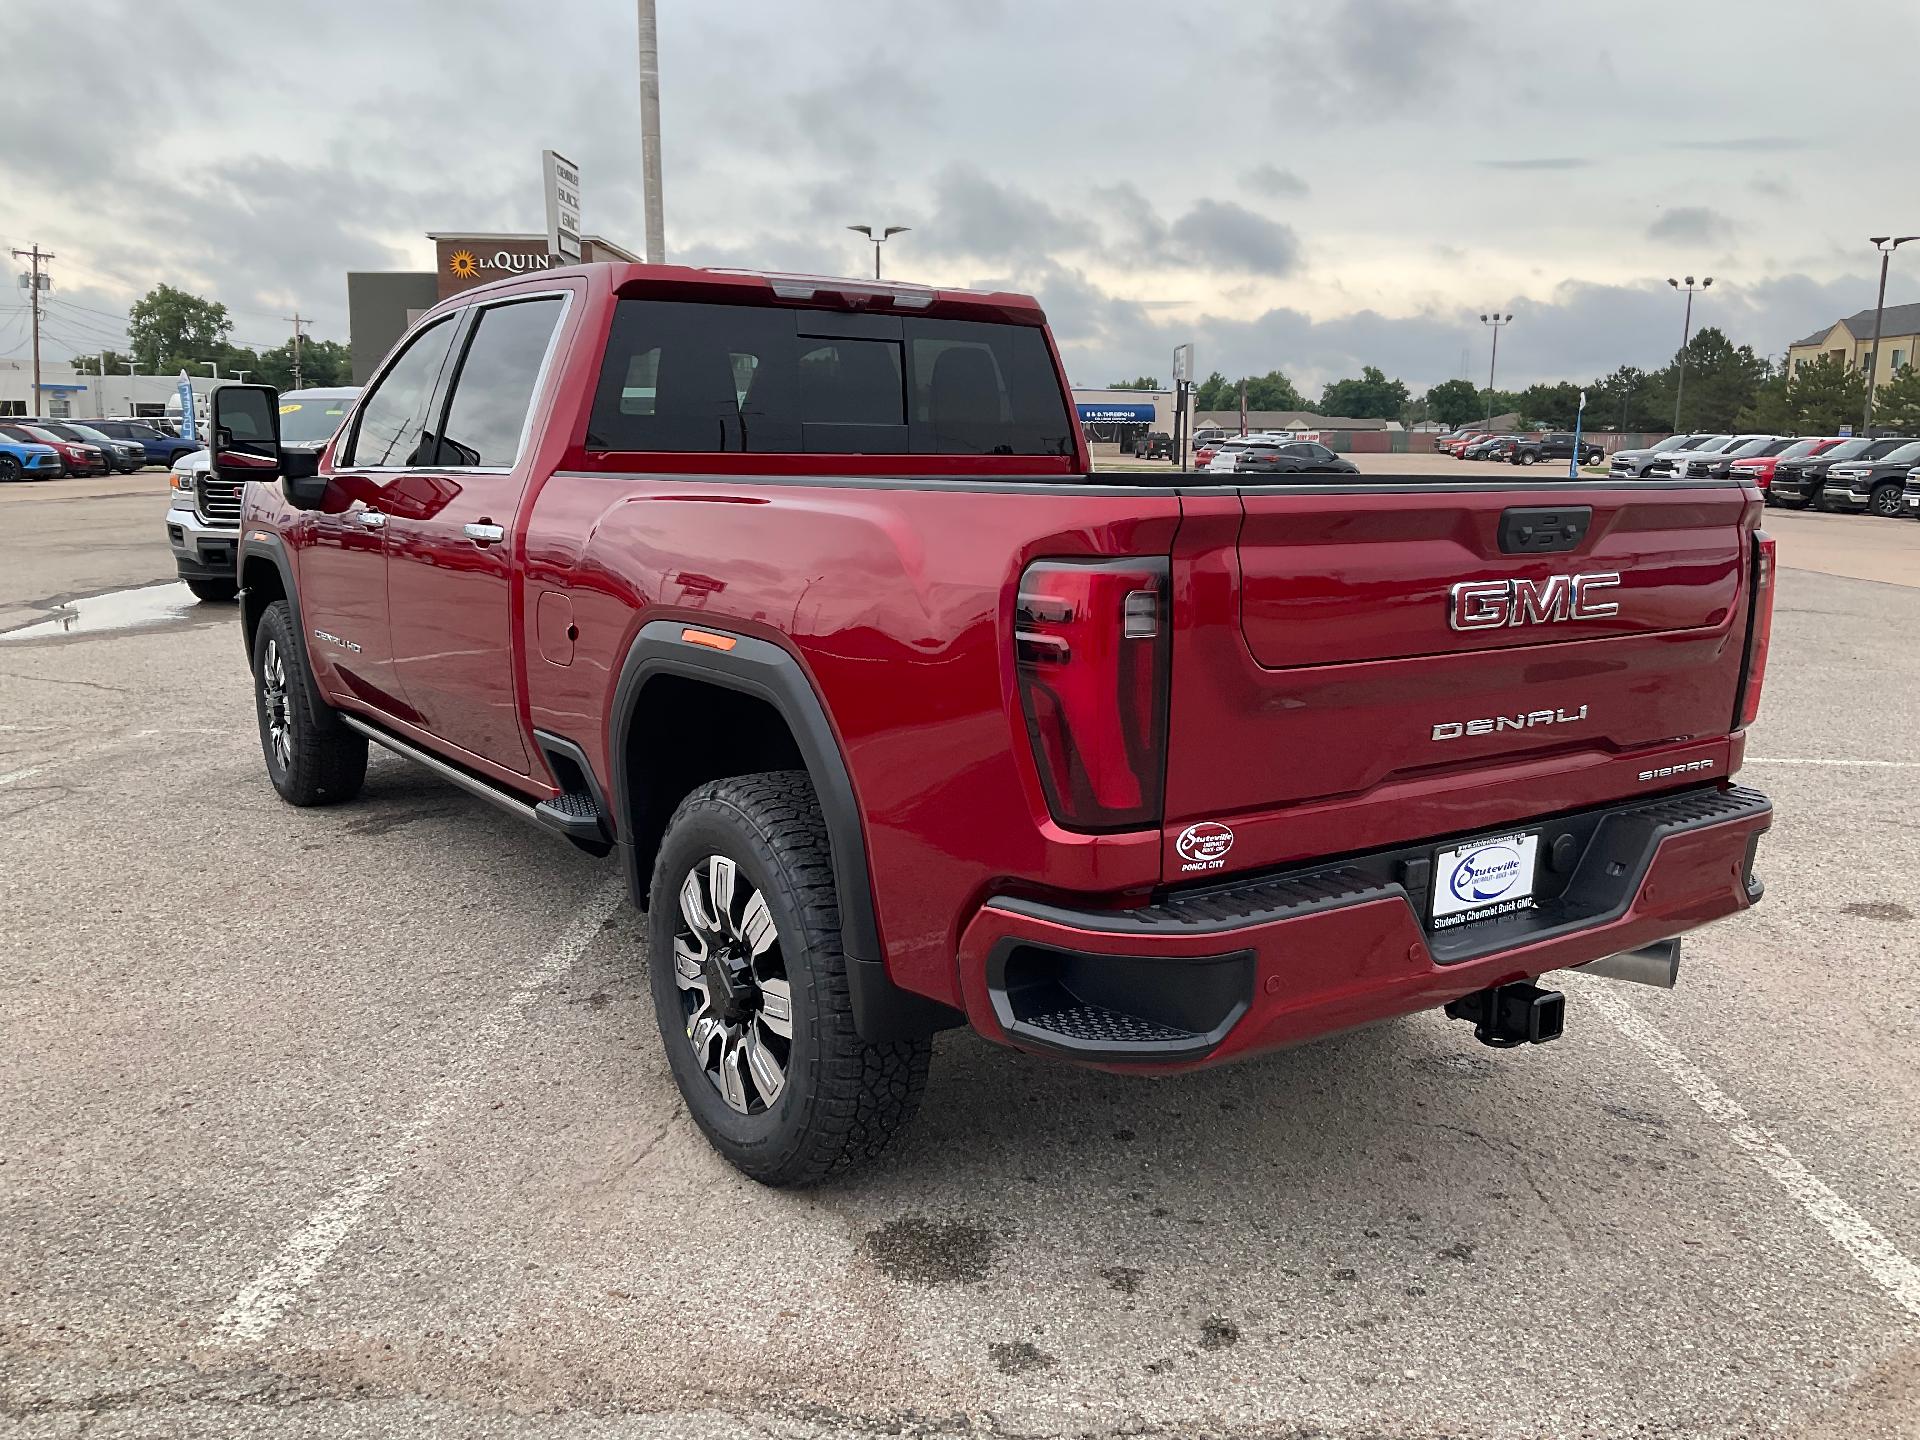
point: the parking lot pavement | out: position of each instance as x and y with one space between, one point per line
79 536
354 1121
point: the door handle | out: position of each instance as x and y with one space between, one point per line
485 534
373 519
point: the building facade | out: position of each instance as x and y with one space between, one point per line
382 304
70 394
1850 342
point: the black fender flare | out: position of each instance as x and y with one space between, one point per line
265 545
882 1011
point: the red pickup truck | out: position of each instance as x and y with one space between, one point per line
800 595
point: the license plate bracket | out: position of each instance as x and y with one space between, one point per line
1484 878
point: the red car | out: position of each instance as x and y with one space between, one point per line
802 597
1456 445
1759 468
76 458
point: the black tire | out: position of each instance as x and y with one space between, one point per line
1787 504
318 760
213 591
1525 457
1888 501
9 469
840 1100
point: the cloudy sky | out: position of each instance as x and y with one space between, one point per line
1307 186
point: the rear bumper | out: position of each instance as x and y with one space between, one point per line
1227 971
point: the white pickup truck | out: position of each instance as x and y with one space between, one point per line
203 520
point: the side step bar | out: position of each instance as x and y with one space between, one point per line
575 816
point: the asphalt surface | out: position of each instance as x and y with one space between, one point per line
355 1122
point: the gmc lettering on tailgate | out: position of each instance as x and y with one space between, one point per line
1492 604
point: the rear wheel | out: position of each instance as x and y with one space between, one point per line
214 591
750 988
311 757
1525 457
1887 501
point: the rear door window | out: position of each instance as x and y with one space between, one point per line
493 391
691 376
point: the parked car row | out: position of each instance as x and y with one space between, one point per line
33 448
1517 449
1276 452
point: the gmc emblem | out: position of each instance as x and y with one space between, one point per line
1492 604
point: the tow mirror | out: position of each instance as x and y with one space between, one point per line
244 426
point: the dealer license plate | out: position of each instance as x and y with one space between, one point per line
1484 878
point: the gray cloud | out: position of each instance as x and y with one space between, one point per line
1744 143
1230 237
982 218
1276 184
1549 162
1695 224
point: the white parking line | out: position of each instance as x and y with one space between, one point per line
1870 764
1851 1231
258 1307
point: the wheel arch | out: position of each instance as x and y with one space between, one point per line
763 686
266 575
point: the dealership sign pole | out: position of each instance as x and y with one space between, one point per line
1573 464
563 207
1182 383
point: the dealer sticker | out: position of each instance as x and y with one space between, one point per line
1485 878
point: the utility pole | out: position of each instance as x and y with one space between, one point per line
133 401
296 320
1686 334
650 133
100 396
36 254
1886 245
1494 322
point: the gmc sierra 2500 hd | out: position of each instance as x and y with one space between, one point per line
800 595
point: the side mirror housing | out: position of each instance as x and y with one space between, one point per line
243 432
300 478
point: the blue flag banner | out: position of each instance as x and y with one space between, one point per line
189 425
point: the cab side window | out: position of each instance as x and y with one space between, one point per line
391 429
494 388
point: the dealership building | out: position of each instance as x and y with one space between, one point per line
381 304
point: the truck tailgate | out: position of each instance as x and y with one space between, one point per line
1331 691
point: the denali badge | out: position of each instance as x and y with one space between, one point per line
336 640
1526 720
1204 846
1490 604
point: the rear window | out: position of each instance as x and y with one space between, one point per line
688 376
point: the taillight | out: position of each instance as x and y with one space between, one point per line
1760 630
1091 647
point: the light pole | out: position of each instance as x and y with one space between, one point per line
1686 334
241 375
213 368
879 240
1494 322
650 134
1886 245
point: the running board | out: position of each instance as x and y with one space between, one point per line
448 771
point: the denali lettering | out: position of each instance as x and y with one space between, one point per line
1527 720
1491 604
336 640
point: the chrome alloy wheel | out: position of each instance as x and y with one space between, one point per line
733 986
273 703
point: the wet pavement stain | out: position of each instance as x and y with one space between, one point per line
1017 1357
1218 1333
921 1251
142 608
1123 1278
1878 910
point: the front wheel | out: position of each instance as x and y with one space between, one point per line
1789 504
1887 502
750 987
213 591
312 759
9 469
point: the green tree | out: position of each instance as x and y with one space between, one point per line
1271 391
322 362
1372 396
1216 392
1455 402
1629 399
1550 407
173 330
116 363
1721 380
1822 396
1769 411
1143 382
1897 403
